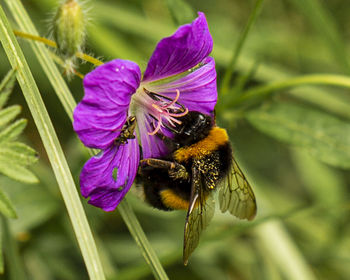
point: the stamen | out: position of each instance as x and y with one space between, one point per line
175 99
179 114
157 108
165 113
157 97
156 129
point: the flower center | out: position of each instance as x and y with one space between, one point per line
162 109
165 113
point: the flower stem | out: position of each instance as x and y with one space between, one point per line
237 50
313 79
52 44
53 149
35 38
89 58
141 240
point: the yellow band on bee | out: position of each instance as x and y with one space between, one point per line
172 200
216 138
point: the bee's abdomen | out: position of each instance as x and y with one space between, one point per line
164 193
173 200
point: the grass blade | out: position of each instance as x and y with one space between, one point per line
331 104
237 50
281 249
53 149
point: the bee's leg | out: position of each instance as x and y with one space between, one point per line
170 143
176 171
160 163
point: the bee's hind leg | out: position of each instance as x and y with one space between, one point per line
176 171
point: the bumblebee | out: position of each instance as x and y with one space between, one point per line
200 162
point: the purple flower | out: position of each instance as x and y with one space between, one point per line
179 77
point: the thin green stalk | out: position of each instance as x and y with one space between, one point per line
66 98
13 261
53 44
53 149
140 237
313 79
225 85
280 247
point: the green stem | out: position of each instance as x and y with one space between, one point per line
237 50
66 98
140 238
313 79
53 149
279 246
13 261
53 44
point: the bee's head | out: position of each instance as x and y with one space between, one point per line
194 127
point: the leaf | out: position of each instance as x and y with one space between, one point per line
6 86
11 132
324 136
17 172
181 11
326 185
17 153
35 204
8 114
6 206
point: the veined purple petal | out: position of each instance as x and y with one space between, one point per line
198 90
102 112
187 47
152 145
97 179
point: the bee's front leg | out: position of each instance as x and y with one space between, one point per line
170 143
176 171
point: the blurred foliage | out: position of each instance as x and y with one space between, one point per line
293 147
15 157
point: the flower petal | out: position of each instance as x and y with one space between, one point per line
96 178
187 47
152 145
198 90
102 112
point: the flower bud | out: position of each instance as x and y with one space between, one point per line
69 28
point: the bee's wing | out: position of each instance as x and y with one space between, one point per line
199 215
236 195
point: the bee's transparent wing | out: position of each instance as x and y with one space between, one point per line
236 195
199 215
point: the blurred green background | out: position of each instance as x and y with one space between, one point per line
293 146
